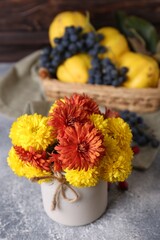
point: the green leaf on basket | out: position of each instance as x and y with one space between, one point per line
138 44
157 54
146 30
158 47
120 20
157 57
143 28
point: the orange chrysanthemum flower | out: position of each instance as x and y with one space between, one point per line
68 111
81 147
38 159
84 101
65 115
110 114
57 167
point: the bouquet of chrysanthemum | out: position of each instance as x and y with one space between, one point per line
76 140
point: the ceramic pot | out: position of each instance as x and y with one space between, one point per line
90 205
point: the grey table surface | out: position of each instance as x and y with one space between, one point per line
131 215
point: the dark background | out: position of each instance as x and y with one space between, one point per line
24 23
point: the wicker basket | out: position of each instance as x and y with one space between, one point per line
120 98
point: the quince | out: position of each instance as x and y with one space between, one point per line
115 43
66 19
74 69
143 70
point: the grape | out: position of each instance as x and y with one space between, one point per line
70 30
52 71
114 73
57 58
78 30
95 62
90 35
98 74
64 43
107 80
106 62
60 48
44 59
115 83
98 80
67 55
133 120
134 131
102 49
93 52
80 46
73 37
139 120
142 140
74 41
141 134
100 37
46 51
54 63
91 80
89 42
154 143
110 75
57 40
91 71
123 70
46 65
54 52
72 48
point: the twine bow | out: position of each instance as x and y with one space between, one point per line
60 190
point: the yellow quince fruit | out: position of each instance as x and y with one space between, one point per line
143 70
66 19
115 43
75 69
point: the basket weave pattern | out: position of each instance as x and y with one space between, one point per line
120 98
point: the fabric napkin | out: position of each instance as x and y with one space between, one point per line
19 86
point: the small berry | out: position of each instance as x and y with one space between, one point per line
123 70
136 149
123 185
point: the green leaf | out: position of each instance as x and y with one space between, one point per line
157 57
120 20
138 45
144 29
158 47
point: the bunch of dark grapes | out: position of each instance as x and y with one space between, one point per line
142 134
104 72
74 41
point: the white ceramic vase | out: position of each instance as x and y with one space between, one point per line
90 205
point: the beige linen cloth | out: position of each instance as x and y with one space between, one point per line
19 86
21 92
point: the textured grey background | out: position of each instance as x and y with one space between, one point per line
131 215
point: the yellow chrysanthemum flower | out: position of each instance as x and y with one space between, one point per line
118 167
23 169
99 122
82 178
119 130
31 130
54 105
110 146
